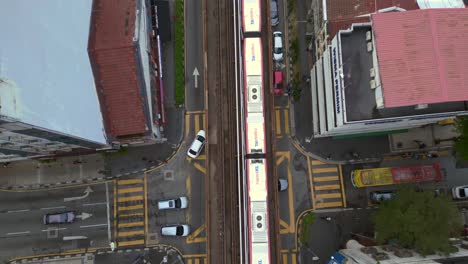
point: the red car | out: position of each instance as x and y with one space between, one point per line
278 82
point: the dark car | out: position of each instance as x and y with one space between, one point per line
60 218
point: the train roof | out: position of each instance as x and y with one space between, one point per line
256 170
251 16
253 56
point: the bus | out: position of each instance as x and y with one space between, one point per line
396 175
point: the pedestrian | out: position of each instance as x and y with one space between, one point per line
421 144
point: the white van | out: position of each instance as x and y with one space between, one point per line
177 203
277 46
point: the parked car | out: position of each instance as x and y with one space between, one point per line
460 192
175 230
274 12
278 82
197 144
282 184
177 203
59 218
379 196
277 46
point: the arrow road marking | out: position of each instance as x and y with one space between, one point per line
84 216
87 192
195 76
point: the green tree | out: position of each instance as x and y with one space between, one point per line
461 145
418 220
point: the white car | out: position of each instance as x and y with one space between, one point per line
177 203
460 192
175 230
277 46
282 184
197 144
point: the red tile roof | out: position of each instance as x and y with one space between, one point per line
342 13
112 56
422 56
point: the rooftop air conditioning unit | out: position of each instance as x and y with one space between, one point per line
254 93
373 84
368 36
259 222
369 46
421 106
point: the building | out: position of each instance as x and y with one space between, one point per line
398 71
21 140
125 69
356 253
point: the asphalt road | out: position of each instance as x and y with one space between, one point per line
22 231
194 56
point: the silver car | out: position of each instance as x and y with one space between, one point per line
274 12
59 218
175 230
177 203
197 144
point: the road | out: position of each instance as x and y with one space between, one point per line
23 233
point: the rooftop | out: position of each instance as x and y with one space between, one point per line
360 99
112 55
342 13
425 61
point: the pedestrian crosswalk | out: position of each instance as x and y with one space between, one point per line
129 209
195 259
288 257
281 121
327 185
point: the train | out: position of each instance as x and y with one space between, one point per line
255 136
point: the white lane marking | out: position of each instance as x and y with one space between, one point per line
91 204
53 229
85 226
108 214
18 211
18 233
50 208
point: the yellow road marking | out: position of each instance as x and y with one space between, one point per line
194 256
199 167
317 162
327 187
189 261
131 215
131 190
188 191
280 160
196 112
130 207
284 230
201 157
146 205
192 238
187 125
129 181
329 204
328 195
131 233
286 121
278 122
115 209
321 170
292 224
197 261
325 179
293 259
131 243
197 123
285 258
309 171
342 187
130 198
131 224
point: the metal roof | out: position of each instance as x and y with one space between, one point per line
112 55
342 13
422 56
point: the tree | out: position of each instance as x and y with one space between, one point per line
418 220
461 145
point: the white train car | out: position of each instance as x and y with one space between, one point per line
255 162
251 18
